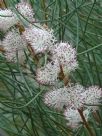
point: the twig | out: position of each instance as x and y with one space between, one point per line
85 123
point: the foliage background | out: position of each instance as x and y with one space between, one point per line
22 112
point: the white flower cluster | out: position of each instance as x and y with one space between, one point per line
48 74
92 97
66 55
7 19
78 97
62 56
39 38
25 11
73 98
74 117
57 98
63 60
13 43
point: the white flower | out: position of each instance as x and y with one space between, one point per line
92 96
68 96
27 12
57 98
79 96
76 96
48 74
74 117
7 19
12 43
66 55
39 38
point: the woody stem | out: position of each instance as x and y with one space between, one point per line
85 122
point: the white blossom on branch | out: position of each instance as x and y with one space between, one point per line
12 43
48 74
74 118
66 55
39 38
7 19
26 11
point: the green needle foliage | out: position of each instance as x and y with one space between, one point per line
22 111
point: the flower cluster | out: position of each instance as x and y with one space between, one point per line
57 98
66 55
63 60
12 44
39 38
74 118
78 96
48 74
7 19
73 98
92 97
25 11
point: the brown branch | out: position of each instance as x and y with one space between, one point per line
2 4
20 27
2 50
63 77
31 50
66 80
85 122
